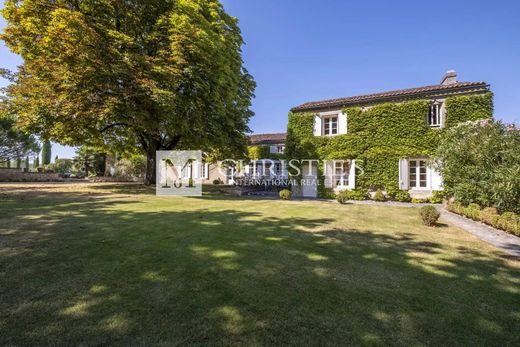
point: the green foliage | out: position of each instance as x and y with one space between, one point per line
37 161
18 162
381 135
379 196
63 166
419 201
27 163
46 152
159 75
489 215
13 142
429 215
285 194
472 211
262 152
510 222
402 196
437 197
480 162
217 181
91 161
356 194
468 108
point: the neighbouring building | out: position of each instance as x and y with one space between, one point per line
382 140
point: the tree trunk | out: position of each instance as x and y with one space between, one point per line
149 176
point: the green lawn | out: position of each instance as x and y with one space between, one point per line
105 265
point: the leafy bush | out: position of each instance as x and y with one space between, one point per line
436 197
343 196
402 195
379 196
455 207
429 215
217 181
285 194
357 194
472 211
509 221
328 193
483 152
419 201
489 215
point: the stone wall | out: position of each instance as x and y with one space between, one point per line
17 175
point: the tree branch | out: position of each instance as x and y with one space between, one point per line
112 125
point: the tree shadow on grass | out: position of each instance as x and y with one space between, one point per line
76 270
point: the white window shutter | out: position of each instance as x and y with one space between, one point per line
403 174
352 175
328 170
196 170
206 171
342 123
317 125
436 179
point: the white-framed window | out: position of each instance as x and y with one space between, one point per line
330 125
417 174
204 171
280 148
435 115
341 172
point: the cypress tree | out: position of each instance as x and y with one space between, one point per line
46 152
18 163
27 163
37 161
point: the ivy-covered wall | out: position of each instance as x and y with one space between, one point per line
381 135
262 152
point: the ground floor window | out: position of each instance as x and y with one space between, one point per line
417 173
341 172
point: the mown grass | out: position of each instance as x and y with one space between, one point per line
111 264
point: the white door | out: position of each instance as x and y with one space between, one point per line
310 181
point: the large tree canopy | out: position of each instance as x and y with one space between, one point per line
160 74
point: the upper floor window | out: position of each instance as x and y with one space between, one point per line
330 125
434 115
280 148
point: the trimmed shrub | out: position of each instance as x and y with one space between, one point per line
285 194
419 201
359 194
437 197
429 215
402 196
489 215
217 181
509 221
343 196
379 196
472 211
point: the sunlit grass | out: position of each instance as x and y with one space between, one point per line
115 265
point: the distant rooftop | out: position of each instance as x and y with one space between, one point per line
265 139
448 86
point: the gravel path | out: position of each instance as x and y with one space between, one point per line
506 242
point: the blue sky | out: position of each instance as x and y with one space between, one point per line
306 50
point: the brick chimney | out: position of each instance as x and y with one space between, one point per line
450 77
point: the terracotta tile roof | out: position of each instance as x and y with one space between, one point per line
258 139
435 90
